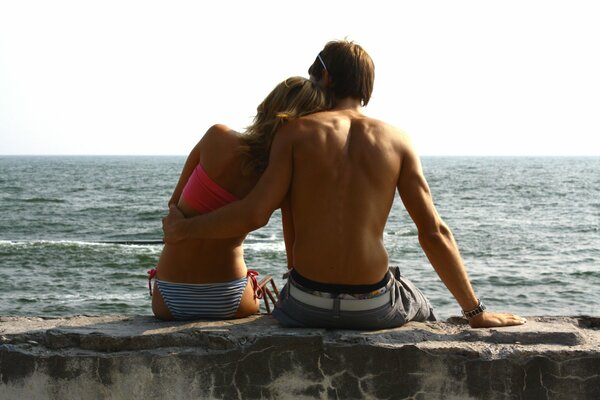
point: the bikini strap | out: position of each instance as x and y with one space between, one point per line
258 292
151 275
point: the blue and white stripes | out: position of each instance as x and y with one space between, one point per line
202 300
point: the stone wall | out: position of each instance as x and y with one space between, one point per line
119 357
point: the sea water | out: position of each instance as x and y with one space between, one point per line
528 230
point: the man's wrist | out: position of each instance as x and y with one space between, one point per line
479 309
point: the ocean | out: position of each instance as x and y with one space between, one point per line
528 229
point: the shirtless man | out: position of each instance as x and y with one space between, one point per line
339 170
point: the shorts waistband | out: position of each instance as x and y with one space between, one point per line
343 304
379 295
333 289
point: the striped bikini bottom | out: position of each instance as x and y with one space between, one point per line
205 300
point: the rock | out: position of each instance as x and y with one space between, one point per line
120 357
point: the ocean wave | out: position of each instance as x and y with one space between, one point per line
262 236
404 232
275 246
585 274
81 297
79 243
43 200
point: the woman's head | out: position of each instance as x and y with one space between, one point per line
292 98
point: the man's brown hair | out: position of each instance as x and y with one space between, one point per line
350 69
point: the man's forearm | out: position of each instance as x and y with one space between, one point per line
443 254
229 221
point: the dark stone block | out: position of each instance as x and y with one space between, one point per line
15 366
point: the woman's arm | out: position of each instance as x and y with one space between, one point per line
190 164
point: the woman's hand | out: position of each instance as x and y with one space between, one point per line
491 319
173 226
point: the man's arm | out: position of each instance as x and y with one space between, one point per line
438 243
248 214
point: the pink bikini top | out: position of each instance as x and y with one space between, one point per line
204 194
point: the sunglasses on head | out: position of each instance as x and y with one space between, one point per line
322 62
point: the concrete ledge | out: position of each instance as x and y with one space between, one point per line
121 357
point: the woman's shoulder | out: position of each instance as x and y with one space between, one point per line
220 132
219 147
219 136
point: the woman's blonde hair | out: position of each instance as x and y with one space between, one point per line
292 98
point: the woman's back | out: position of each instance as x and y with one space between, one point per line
219 171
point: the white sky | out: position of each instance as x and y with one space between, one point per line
147 77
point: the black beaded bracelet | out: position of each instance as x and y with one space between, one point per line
476 311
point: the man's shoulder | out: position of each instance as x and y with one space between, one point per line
316 118
382 128
326 120
302 125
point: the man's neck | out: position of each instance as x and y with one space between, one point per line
348 103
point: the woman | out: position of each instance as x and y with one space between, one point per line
208 278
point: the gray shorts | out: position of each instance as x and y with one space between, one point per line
406 303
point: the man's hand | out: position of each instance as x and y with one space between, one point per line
172 226
490 319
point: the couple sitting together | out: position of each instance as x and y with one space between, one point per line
334 173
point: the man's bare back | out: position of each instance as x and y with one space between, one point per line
345 170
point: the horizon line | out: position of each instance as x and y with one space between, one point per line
185 155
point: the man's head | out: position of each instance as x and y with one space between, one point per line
345 70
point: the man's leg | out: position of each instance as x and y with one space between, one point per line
415 304
281 310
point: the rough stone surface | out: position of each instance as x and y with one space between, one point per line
119 357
